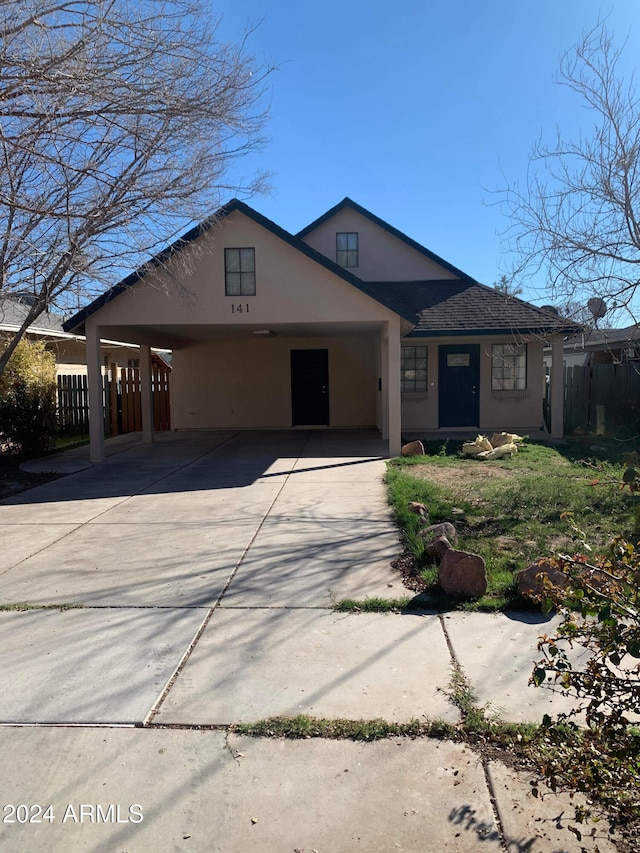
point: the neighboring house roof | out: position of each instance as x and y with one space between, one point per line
605 339
446 307
13 313
432 307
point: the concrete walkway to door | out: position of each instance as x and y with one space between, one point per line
188 585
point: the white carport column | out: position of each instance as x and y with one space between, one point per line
146 403
96 405
557 386
391 403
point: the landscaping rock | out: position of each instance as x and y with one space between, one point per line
462 574
414 448
530 581
438 547
444 529
420 509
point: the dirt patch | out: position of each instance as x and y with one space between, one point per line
512 544
465 479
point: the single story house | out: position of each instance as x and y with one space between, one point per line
600 346
69 350
349 323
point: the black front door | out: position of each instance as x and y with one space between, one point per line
310 387
459 385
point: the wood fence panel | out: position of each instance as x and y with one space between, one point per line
73 404
130 399
602 397
114 400
107 403
160 385
122 400
576 400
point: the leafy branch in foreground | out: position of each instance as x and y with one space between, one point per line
594 657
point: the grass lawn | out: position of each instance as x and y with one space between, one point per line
512 507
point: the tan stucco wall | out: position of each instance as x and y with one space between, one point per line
290 287
382 256
496 412
247 384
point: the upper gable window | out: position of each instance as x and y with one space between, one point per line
240 272
347 248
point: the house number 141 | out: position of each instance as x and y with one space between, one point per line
240 309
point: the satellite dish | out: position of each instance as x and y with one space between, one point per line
597 307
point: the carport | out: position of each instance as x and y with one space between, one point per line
311 347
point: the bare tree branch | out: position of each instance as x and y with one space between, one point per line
577 217
120 121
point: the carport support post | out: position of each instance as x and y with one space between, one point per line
557 386
146 394
391 402
96 405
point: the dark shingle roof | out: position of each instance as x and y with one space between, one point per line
78 319
13 312
445 307
437 307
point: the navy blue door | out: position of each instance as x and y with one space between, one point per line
458 385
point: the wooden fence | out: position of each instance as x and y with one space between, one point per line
602 398
73 405
122 401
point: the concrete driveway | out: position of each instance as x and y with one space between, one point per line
152 543
188 585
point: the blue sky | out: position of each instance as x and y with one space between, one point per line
419 111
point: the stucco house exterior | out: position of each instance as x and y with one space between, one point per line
349 323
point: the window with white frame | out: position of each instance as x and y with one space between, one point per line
240 272
347 248
413 370
508 367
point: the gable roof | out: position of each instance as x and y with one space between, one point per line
445 307
195 232
349 203
432 307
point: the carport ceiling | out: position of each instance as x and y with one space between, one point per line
173 337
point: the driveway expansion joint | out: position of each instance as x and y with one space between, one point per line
181 664
494 804
260 526
183 661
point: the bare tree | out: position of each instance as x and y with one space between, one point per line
578 217
119 122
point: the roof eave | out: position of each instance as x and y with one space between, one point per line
455 333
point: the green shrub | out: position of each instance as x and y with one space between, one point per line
28 399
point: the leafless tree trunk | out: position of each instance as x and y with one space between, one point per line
578 217
119 123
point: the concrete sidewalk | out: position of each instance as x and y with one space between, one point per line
202 571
